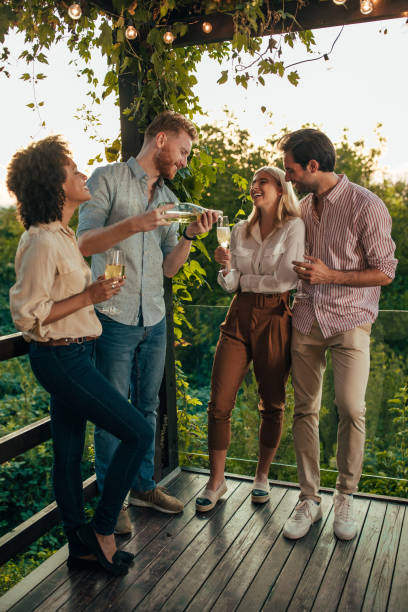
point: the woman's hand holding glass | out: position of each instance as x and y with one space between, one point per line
114 273
222 256
103 289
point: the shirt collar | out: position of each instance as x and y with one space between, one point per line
335 192
54 227
139 172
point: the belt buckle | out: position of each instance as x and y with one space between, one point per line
79 340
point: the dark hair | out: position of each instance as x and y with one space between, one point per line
307 144
170 121
36 176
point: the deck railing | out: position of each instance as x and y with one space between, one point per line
17 442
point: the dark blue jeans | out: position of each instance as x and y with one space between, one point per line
79 392
132 358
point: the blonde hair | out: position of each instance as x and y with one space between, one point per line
288 207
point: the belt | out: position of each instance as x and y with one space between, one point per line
66 341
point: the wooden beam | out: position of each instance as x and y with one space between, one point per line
13 345
313 15
24 439
36 526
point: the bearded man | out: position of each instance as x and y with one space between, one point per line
127 210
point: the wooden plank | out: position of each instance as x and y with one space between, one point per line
24 439
186 576
33 528
354 589
148 571
221 559
379 585
83 586
333 582
313 575
286 583
12 345
43 572
236 588
398 595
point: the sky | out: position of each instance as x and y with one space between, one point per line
363 83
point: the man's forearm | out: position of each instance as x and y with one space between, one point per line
175 259
103 238
360 278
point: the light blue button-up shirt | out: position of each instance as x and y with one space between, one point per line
120 191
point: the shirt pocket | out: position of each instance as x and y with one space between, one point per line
71 278
271 258
243 258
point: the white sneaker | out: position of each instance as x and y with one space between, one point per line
344 526
306 513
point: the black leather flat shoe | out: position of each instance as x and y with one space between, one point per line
87 536
84 564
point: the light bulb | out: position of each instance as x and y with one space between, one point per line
75 11
168 37
339 1
131 32
366 7
207 27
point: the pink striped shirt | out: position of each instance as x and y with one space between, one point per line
353 233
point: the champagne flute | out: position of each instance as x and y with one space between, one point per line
223 232
114 270
300 291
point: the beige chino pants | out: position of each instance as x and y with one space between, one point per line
350 352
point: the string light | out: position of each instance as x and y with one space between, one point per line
339 2
168 37
207 27
75 11
366 7
131 32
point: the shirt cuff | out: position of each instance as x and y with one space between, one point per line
229 282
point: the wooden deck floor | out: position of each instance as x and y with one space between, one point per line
235 558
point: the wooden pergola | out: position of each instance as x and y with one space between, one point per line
312 15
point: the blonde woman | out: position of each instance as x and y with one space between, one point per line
258 267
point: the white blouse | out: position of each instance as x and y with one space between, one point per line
264 266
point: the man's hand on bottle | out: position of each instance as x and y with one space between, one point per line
204 224
154 218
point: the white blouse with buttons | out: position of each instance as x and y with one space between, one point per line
264 266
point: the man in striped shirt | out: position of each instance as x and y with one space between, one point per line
349 256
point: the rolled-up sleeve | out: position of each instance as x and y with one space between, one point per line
376 238
169 240
30 301
94 213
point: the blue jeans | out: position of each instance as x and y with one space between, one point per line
132 358
80 393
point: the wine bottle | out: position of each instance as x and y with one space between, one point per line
187 212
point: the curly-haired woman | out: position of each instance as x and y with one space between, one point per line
257 328
52 304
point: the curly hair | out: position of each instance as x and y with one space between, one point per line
170 121
36 175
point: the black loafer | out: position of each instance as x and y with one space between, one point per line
87 536
84 564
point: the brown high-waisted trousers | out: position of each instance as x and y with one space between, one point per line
257 328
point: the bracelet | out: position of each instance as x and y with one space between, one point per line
188 237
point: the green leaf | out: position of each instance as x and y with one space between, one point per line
223 78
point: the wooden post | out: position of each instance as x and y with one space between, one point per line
166 455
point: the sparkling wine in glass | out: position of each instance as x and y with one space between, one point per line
300 290
115 271
223 232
